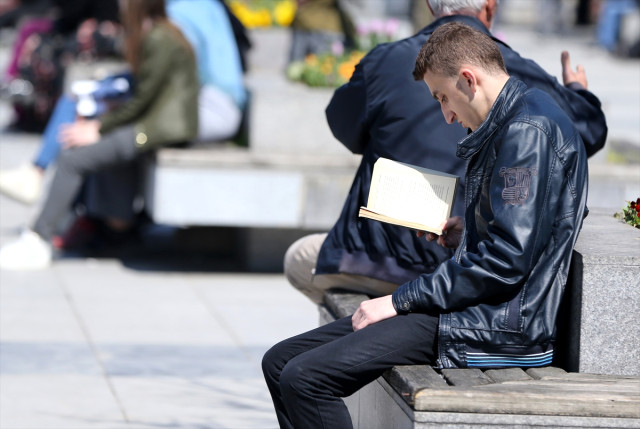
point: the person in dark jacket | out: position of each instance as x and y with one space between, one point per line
495 303
381 111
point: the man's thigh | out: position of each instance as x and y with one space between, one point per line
351 361
113 148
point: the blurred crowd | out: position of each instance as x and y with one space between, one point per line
181 84
136 106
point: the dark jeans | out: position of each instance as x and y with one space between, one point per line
308 374
115 149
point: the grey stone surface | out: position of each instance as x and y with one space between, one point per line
378 406
255 188
609 337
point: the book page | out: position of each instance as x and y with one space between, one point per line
412 194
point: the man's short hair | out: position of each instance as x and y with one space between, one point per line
455 44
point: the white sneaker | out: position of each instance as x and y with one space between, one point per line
29 252
23 184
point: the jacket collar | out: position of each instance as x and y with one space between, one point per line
511 92
469 20
465 19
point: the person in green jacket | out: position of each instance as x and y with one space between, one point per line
162 111
318 25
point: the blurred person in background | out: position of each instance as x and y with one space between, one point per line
317 27
46 44
162 111
382 111
221 101
614 32
223 95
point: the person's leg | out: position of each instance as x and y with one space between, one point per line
300 262
299 48
279 355
299 268
24 183
63 113
308 375
73 165
111 194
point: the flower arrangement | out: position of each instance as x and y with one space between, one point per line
334 68
264 13
330 69
631 213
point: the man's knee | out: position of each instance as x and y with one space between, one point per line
296 377
300 259
72 160
273 361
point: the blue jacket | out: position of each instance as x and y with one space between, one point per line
206 25
525 200
382 111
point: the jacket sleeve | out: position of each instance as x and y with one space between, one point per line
582 106
347 112
516 234
153 73
585 110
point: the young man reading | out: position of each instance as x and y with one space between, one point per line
495 303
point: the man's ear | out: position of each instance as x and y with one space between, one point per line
490 11
468 82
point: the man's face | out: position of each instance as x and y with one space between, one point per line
455 97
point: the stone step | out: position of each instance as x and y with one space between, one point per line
227 186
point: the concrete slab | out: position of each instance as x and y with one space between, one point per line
53 401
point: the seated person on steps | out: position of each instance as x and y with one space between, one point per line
495 303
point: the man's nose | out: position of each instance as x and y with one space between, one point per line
448 114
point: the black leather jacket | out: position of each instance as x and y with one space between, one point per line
525 200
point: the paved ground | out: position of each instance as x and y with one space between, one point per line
149 339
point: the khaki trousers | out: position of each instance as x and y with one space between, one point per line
299 268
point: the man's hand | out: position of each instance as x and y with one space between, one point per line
451 233
80 133
373 311
568 75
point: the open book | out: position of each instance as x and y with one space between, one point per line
411 196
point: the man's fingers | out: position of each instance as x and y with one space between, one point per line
565 60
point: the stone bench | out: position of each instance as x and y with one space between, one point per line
595 380
265 200
420 396
223 185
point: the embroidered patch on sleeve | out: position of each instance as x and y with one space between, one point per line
517 181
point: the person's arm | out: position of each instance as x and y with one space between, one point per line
582 106
347 112
373 311
153 73
571 77
517 235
